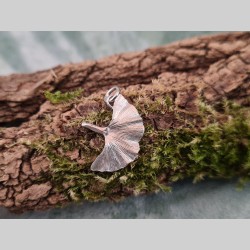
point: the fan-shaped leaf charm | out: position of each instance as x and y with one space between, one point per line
121 136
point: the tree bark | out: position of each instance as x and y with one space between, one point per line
215 66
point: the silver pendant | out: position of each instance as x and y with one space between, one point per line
121 135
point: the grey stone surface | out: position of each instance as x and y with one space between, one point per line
208 199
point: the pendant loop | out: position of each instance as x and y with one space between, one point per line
111 95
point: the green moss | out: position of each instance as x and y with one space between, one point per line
160 105
218 148
103 116
59 97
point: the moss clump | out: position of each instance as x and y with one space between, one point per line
212 143
216 151
59 97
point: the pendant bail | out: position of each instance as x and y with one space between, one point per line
111 95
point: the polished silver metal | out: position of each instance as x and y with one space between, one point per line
122 135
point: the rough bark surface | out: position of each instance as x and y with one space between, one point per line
216 66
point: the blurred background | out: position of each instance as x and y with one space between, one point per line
30 51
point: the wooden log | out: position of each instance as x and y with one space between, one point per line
45 154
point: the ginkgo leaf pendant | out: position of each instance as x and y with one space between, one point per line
122 135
